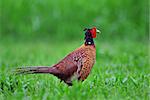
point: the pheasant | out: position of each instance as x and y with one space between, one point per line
76 65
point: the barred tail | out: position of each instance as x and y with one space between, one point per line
33 70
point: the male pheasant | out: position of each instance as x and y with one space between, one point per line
76 65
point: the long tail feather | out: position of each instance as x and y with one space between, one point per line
32 70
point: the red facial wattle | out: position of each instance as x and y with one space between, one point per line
93 32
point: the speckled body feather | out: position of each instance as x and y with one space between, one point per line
76 65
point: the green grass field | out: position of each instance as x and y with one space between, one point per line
121 71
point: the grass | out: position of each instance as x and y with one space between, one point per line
121 71
68 18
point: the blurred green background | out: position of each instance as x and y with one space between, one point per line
41 32
66 19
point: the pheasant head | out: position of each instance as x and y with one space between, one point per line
90 34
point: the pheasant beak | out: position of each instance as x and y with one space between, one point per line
98 31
